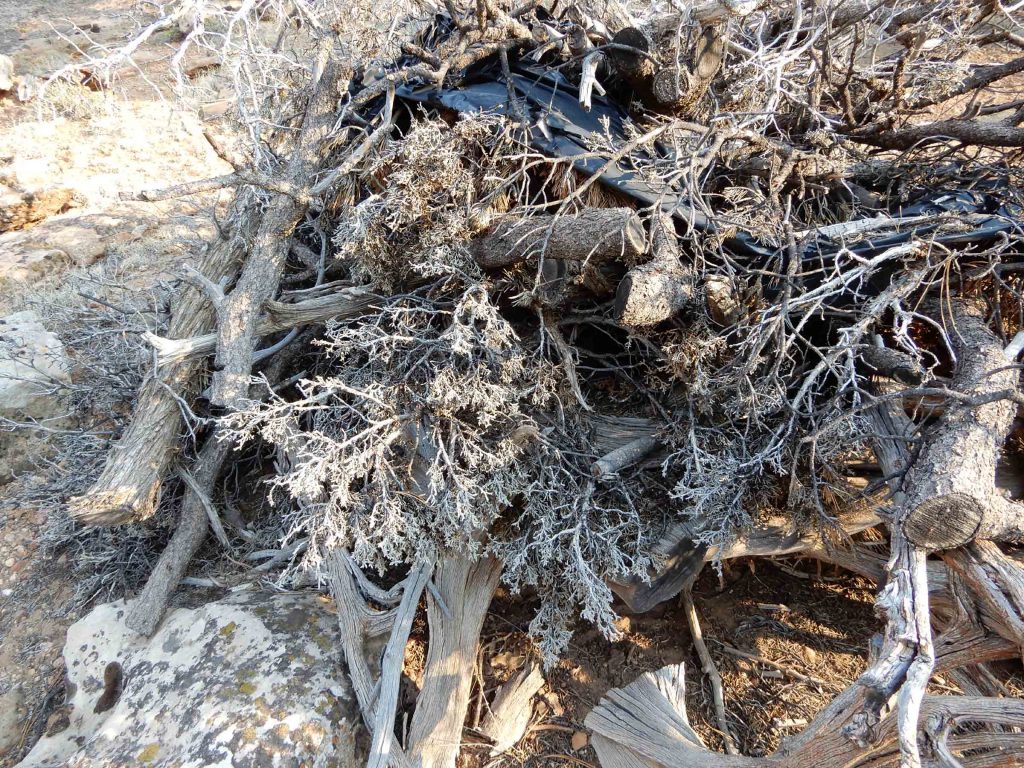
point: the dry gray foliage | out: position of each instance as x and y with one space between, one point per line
434 425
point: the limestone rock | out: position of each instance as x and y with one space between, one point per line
250 680
47 249
33 366
82 244
6 74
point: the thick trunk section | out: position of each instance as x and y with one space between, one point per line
659 289
949 493
595 235
128 489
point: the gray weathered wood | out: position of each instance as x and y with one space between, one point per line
644 724
383 732
466 587
239 312
624 456
128 488
278 316
146 611
510 712
595 235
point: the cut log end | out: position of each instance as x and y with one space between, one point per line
647 297
672 88
659 289
944 522
633 66
116 506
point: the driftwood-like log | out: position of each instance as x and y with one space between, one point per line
148 608
510 712
645 725
278 316
596 235
128 488
949 493
466 587
238 312
383 730
358 623
659 289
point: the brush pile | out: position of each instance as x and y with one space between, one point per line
578 297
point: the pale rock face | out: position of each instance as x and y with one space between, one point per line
33 367
6 74
250 680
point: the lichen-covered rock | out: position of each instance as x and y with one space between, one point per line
251 680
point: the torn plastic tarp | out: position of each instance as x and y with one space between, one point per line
560 127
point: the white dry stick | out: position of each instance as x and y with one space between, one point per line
588 79
1013 349
709 668
624 456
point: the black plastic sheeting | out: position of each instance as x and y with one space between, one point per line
550 99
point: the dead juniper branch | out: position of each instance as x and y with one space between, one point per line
277 316
128 489
238 313
376 691
147 610
508 715
949 496
959 455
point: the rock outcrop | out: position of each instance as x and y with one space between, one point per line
33 367
250 680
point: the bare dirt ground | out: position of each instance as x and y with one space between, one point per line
89 147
